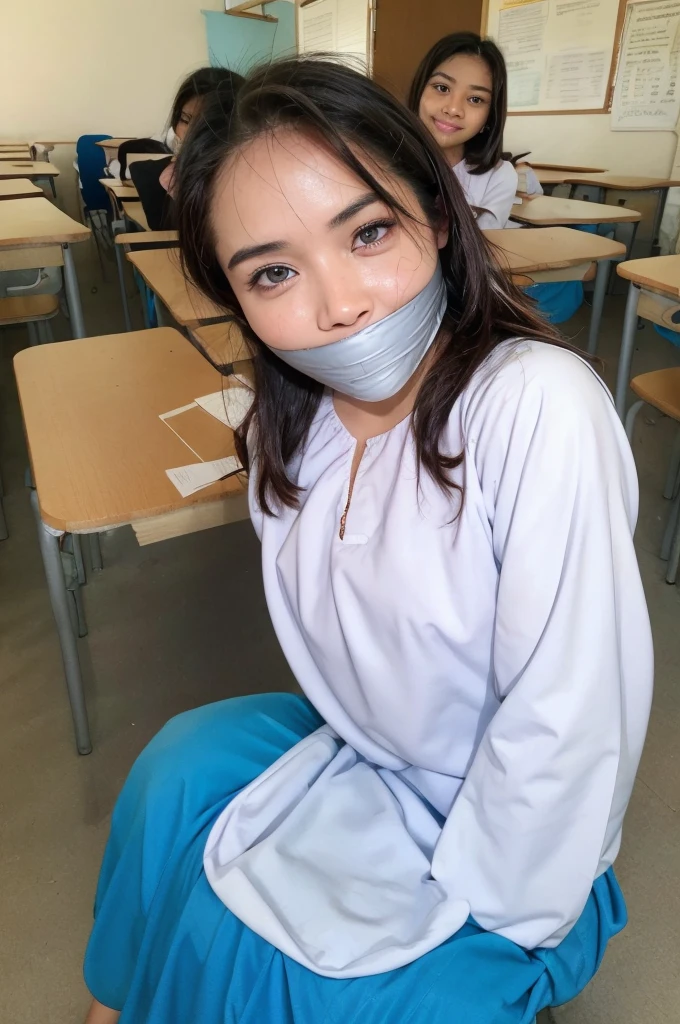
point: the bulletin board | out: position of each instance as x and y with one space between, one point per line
561 54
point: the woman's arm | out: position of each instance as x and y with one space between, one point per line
540 812
498 197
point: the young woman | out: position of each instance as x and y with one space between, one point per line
460 92
153 178
445 500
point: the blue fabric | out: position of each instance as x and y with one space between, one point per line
91 165
557 301
665 332
165 950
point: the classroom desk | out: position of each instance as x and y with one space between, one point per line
533 251
18 188
100 462
550 176
550 211
629 183
567 167
123 242
135 212
9 155
658 275
119 189
113 143
162 272
38 223
36 170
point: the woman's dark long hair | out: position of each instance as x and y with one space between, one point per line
352 116
201 83
485 150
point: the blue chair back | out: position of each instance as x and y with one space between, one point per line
91 165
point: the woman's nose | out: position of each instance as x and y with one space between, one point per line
343 302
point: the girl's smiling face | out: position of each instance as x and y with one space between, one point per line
311 254
456 101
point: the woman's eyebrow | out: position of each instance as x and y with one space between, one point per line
356 207
477 88
250 252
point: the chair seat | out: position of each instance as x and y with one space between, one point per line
660 388
26 308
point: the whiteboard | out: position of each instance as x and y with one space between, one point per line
335 26
559 53
647 90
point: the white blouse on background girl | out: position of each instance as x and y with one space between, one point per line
492 193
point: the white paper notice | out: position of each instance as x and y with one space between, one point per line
189 479
229 406
317 26
576 80
521 34
647 92
558 52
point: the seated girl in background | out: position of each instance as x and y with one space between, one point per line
460 94
445 498
152 178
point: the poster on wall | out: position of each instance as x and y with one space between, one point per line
647 90
334 26
559 52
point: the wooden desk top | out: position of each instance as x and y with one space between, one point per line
162 271
550 210
120 189
28 169
135 213
532 249
224 344
101 461
567 167
36 221
658 273
145 237
549 175
113 143
624 182
15 154
18 188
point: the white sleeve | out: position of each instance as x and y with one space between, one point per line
539 815
496 203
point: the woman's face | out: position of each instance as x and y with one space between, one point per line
189 111
456 101
311 253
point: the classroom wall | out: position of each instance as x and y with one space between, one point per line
587 139
80 66
238 43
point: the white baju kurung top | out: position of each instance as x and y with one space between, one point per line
486 679
493 193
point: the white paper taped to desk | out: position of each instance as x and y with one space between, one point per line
189 479
229 406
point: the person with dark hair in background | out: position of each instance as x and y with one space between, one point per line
460 92
445 499
152 178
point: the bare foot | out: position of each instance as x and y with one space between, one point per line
100 1014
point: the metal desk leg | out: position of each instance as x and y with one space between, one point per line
49 548
121 281
658 217
627 345
601 282
73 294
95 553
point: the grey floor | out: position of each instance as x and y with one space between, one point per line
184 622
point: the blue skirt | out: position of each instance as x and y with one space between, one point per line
165 950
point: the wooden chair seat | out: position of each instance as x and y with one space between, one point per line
28 308
660 388
223 343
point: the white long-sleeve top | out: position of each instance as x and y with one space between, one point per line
486 678
493 192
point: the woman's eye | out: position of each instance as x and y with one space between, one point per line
443 89
476 100
271 276
371 234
